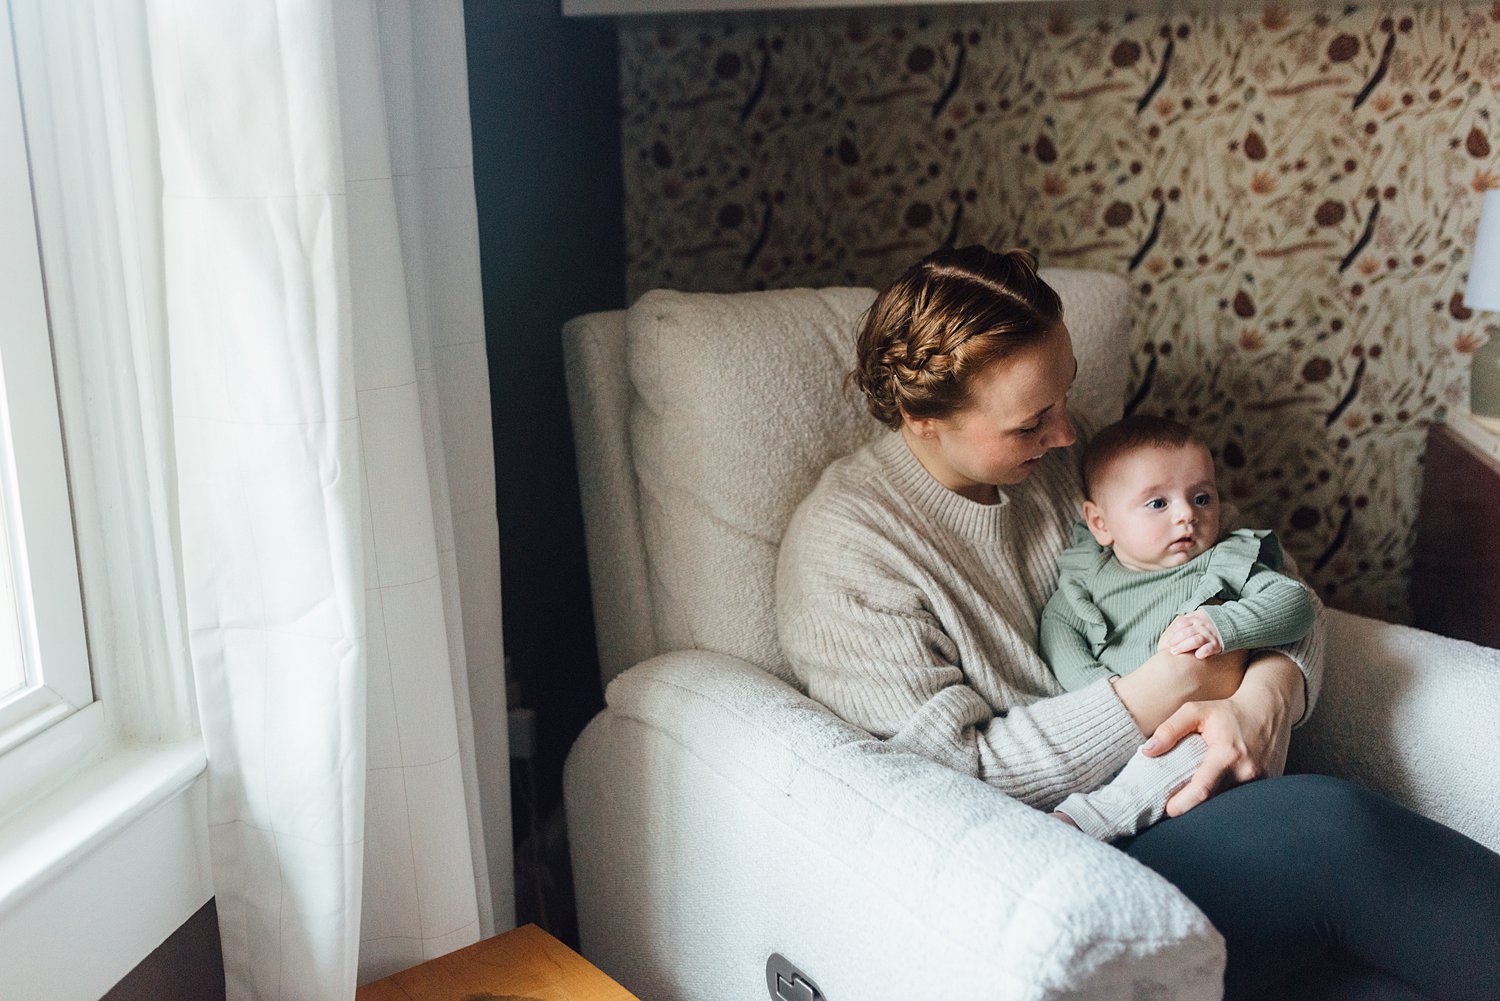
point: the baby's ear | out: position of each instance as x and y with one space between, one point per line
1093 517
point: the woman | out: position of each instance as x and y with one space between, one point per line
909 588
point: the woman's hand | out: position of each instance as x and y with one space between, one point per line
1247 733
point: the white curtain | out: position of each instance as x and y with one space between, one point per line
403 93
293 230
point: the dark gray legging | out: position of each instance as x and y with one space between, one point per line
1316 882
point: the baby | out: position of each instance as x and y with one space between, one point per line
1148 572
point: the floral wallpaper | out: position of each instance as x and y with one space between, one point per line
1292 190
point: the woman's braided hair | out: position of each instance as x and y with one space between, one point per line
945 319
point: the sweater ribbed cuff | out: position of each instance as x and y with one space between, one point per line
1018 752
1093 725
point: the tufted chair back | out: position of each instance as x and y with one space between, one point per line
702 420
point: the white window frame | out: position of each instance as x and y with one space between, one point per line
33 483
103 814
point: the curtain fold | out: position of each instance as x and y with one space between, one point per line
268 459
438 849
321 406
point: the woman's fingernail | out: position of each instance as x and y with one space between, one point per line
1149 745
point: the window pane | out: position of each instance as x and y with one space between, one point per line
12 665
44 667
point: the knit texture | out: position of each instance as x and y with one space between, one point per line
1105 619
714 816
1137 797
738 407
911 611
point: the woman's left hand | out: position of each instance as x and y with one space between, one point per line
1247 734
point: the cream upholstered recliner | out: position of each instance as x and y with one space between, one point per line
716 815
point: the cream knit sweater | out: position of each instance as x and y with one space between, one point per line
912 612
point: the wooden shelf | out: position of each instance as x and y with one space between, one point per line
526 963
1455 586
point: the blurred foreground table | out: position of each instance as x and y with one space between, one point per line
526 964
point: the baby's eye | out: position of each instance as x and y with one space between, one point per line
1203 499
1156 503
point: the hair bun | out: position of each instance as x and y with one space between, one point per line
945 318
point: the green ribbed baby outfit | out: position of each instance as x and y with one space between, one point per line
1105 619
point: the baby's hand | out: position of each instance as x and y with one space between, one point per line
1193 633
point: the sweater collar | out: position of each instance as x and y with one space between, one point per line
974 521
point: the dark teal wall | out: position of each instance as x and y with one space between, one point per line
544 104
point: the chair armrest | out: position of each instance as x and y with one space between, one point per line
717 815
1410 714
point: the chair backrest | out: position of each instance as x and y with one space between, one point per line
702 420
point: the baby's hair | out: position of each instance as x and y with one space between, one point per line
946 318
1126 436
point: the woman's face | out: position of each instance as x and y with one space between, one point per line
1018 412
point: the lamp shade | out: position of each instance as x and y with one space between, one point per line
1483 290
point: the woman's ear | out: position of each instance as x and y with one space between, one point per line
1093 517
922 427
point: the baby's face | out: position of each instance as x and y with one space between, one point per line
1158 507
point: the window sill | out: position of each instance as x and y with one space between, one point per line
101 871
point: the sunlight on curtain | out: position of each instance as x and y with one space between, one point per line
267 467
419 331
333 459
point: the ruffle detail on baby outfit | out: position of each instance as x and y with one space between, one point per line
1230 563
1077 567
